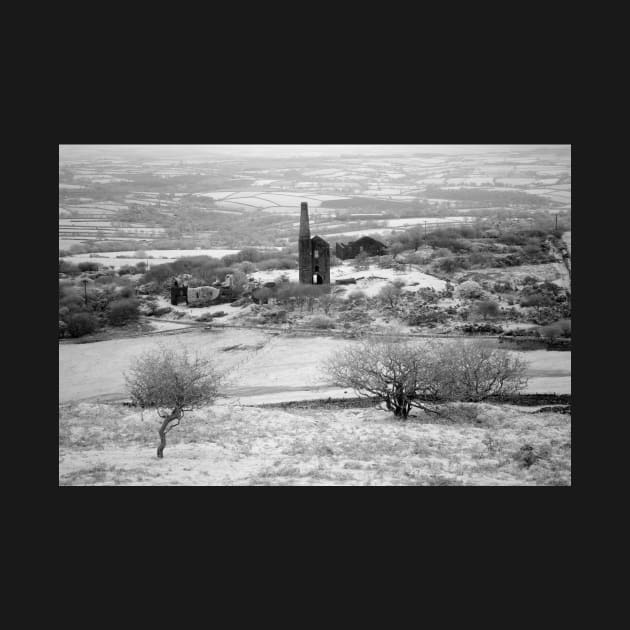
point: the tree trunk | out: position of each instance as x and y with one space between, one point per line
175 414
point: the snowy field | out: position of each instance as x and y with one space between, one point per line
272 201
160 256
231 444
373 278
263 367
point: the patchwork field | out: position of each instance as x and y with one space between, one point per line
278 202
158 256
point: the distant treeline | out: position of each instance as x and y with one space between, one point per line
481 195
365 203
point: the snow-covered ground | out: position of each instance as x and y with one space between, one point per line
192 313
263 367
166 326
230 444
552 272
159 256
374 278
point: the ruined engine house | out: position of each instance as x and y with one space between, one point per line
313 253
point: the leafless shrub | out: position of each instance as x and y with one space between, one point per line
357 296
171 383
390 294
405 374
321 321
473 371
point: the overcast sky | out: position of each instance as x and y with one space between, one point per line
283 150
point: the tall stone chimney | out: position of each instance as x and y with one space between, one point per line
304 247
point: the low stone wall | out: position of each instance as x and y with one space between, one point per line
524 400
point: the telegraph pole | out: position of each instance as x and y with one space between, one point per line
85 289
556 222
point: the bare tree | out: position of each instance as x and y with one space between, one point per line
239 283
403 374
361 261
474 370
412 239
329 299
171 383
397 372
396 248
390 294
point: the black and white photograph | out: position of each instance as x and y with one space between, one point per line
314 315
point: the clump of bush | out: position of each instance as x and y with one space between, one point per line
387 262
427 295
549 301
123 311
276 263
528 455
441 252
390 294
357 297
126 292
560 328
68 268
416 258
469 289
322 322
150 288
452 264
480 259
502 287
361 262
486 308
550 314
510 260
88 266
246 267
426 316
79 324
127 270
355 317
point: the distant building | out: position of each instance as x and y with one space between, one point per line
367 244
313 253
179 292
202 295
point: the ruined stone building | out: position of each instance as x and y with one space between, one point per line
200 295
313 253
367 244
